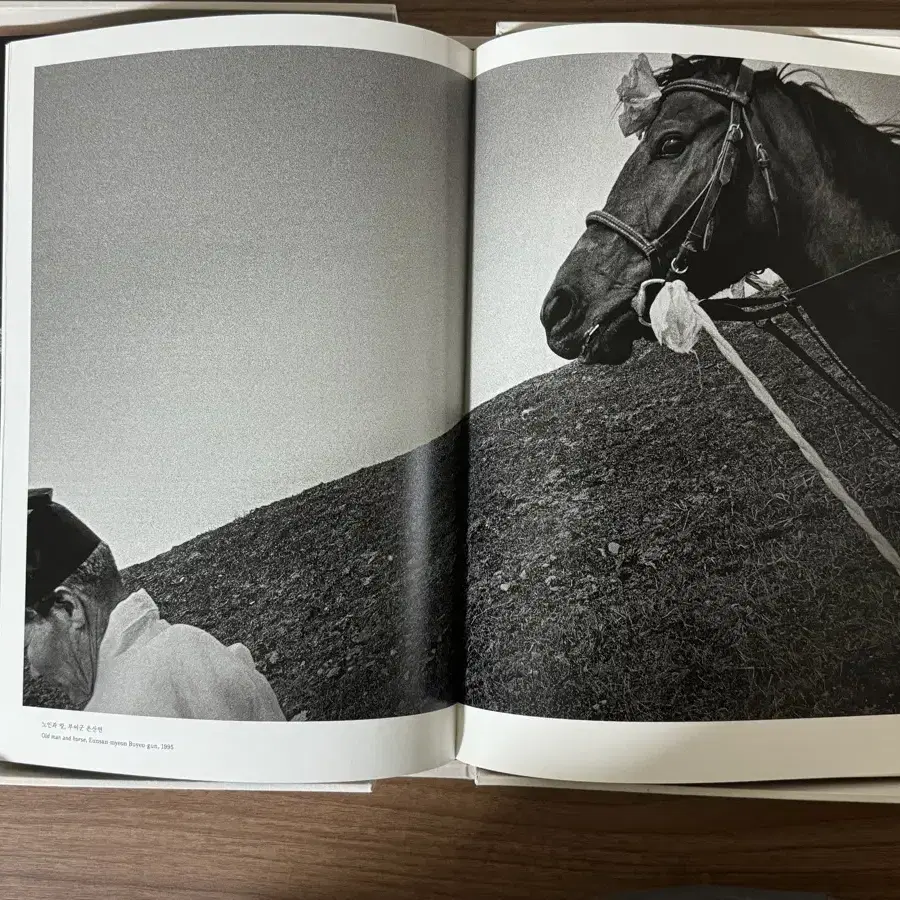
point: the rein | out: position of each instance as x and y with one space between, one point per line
762 310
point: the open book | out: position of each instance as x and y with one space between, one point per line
336 445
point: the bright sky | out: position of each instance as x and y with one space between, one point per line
549 150
248 279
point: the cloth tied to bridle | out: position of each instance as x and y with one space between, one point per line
674 319
640 97
677 318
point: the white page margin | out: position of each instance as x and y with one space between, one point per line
269 30
570 40
680 752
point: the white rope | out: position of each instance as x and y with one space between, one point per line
677 309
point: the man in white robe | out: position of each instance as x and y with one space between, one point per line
111 652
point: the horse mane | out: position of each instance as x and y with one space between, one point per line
862 158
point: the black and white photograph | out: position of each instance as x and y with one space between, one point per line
533 408
646 540
247 358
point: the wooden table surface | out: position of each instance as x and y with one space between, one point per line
421 839
414 838
471 17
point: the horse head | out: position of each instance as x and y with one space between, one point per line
588 310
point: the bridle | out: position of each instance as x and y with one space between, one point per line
697 239
703 206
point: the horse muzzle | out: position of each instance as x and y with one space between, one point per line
573 333
562 316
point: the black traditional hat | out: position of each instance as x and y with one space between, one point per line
58 543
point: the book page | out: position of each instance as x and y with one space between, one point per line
660 587
234 302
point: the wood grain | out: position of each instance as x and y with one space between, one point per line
429 839
442 839
473 18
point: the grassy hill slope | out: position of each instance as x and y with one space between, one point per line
646 544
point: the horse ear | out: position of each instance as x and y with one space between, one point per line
678 60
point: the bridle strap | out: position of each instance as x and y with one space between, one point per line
740 94
698 236
765 166
650 249
699 233
632 235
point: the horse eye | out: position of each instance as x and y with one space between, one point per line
672 146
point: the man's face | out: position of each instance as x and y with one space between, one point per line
55 647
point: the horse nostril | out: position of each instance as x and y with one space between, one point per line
557 307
